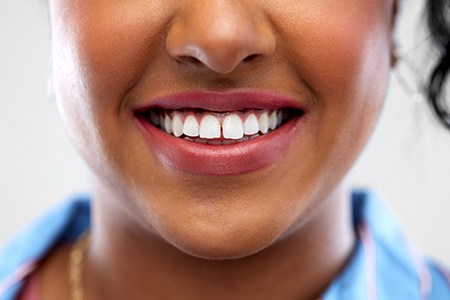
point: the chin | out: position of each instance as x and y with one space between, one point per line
232 250
235 241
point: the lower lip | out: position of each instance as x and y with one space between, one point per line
219 160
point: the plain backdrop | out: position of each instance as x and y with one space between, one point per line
407 160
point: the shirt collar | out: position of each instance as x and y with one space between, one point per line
384 265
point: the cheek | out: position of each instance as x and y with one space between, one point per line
106 45
343 55
100 49
343 46
354 60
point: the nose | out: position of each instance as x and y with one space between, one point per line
219 35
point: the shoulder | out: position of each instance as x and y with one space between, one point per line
386 264
400 270
439 281
23 253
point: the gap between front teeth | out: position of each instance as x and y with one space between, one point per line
229 126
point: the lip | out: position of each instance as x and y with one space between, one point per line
221 101
220 160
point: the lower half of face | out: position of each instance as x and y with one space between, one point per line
216 145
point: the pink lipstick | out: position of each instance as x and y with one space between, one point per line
220 132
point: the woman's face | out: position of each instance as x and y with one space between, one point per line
120 67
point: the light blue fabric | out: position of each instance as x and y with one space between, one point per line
65 222
395 272
395 268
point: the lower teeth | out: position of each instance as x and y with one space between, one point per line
219 141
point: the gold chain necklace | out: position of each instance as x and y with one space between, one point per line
76 261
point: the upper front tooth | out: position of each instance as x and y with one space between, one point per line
264 122
251 125
168 124
209 127
232 127
191 126
177 126
273 120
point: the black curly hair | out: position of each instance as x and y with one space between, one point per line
438 19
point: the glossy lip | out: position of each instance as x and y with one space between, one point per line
220 160
223 101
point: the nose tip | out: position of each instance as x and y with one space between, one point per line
219 38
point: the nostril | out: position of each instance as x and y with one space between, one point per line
189 60
251 58
195 61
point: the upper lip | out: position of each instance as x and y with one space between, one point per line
224 101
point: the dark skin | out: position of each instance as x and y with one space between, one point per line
160 233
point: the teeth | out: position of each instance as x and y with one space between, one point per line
210 127
177 126
232 127
251 125
191 126
228 142
214 142
161 122
210 131
273 120
201 141
264 122
154 118
168 124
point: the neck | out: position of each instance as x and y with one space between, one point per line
125 262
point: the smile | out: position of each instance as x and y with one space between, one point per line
216 128
220 133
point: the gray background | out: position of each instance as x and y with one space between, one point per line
407 161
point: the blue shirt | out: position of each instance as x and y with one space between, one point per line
383 266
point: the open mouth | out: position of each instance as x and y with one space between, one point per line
217 128
220 132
